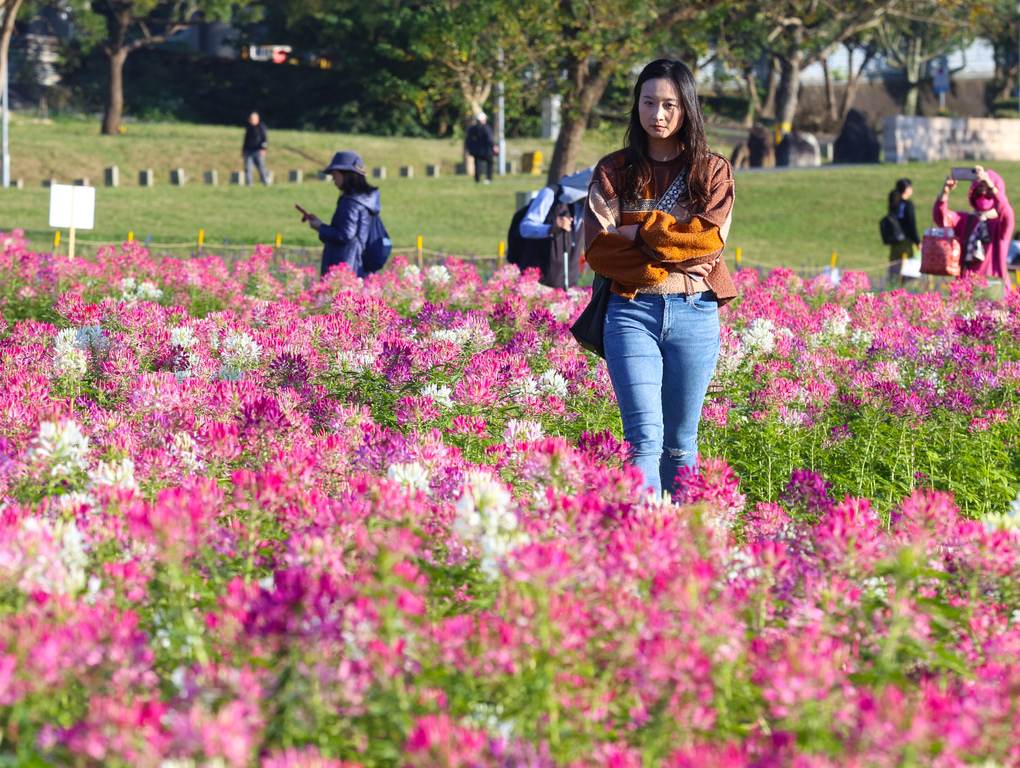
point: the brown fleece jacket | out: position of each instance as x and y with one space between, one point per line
665 240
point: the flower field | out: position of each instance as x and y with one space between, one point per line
248 518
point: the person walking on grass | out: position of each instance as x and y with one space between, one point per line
481 145
346 236
656 223
901 209
256 141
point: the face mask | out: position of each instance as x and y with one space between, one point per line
980 203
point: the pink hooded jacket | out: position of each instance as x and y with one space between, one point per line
1000 228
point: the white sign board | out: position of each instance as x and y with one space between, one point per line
81 200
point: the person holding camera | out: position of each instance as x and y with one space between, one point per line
984 233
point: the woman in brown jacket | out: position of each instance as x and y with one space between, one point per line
656 223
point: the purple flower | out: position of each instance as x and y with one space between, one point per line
807 494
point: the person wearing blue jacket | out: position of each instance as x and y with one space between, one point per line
346 234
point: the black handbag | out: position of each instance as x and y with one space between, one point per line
590 325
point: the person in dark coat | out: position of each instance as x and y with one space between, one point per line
481 146
256 140
346 235
901 208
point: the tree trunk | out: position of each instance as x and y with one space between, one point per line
830 92
752 96
768 107
1005 72
789 91
587 84
115 93
118 19
9 9
913 73
853 81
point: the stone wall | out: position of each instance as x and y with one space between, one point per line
929 139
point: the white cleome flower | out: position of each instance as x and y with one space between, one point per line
552 383
229 373
861 338
241 351
760 336
118 474
358 362
486 517
838 323
438 274
132 291
411 475
526 387
62 447
440 395
459 336
522 429
68 360
64 574
149 292
91 337
184 447
183 337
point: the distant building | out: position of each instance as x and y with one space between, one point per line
976 62
210 38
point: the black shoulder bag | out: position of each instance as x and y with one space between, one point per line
589 327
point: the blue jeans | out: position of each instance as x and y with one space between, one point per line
661 353
251 160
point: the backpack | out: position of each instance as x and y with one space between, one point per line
378 247
522 251
890 229
515 242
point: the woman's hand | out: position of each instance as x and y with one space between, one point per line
701 271
948 186
629 231
984 178
315 222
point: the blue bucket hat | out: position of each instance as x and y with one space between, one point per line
346 161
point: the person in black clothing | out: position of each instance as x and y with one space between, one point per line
481 146
902 209
254 149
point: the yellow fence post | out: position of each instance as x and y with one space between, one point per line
201 238
499 259
419 253
56 242
738 258
131 237
279 239
833 262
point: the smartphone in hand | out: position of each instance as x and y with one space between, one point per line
963 174
305 215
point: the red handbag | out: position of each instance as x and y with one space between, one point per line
940 252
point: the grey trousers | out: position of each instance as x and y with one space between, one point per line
251 159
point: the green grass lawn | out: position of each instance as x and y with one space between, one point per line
790 218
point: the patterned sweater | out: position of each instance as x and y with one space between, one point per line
666 242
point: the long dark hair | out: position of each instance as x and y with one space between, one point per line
354 182
693 146
896 196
